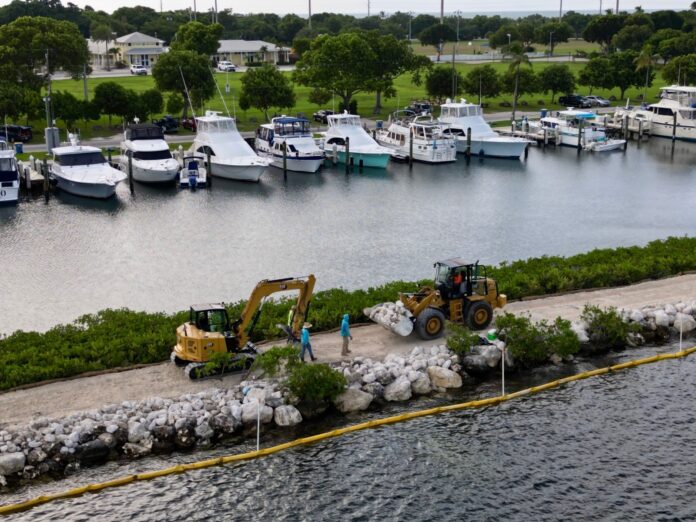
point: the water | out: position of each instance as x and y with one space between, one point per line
165 249
618 447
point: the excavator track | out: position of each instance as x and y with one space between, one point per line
241 363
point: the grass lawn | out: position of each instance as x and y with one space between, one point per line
249 120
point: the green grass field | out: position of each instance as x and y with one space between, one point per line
249 120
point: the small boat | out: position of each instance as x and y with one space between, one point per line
83 171
230 156
9 175
605 145
192 174
363 149
462 116
569 123
151 158
302 154
422 135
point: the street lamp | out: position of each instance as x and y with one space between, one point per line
509 39
410 17
551 43
459 14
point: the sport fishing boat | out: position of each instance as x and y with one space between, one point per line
9 175
302 154
567 126
462 116
674 115
151 158
421 134
83 171
362 148
230 156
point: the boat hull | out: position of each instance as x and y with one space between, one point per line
376 161
493 148
237 172
87 190
308 165
9 195
144 174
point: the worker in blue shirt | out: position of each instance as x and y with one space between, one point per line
305 342
345 334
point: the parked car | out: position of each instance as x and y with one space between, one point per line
226 66
188 123
421 107
598 101
575 100
321 115
16 132
140 70
168 124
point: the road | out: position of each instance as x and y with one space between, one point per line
165 380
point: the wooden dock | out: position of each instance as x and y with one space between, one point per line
541 137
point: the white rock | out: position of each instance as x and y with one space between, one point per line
580 329
636 316
204 431
254 395
419 364
287 415
444 378
111 428
661 318
413 375
421 385
12 463
249 413
417 351
492 354
399 390
353 400
368 378
684 322
136 432
434 350
670 309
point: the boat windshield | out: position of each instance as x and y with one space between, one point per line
152 155
290 127
682 97
3 145
144 132
8 165
344 120
688 114
221 125
83 158
461 112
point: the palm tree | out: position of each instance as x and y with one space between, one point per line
517 59
102 33
693 6
646 60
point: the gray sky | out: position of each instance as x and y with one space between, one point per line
389 6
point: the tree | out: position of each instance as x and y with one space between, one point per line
625 74
631 37
67 107
102 33
500 37
667 19
111 98
557 78
195 69
518 58
577 21
202 39
681 70
175 103
602 29
679 46
598 73
265 87
482 81
436 35
645 61
443 82
319 96
150 102
553 33
341 64
289 26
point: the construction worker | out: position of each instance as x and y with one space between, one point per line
305 342
345 334
291 315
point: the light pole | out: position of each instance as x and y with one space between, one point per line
442 11
310 14
551 43
617 7
509 39
459 14
410 17
560 12
600 7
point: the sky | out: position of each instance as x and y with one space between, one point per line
389 6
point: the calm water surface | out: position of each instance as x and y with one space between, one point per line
165 249
619 447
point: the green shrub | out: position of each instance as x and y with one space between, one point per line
605 328
219 362
561 339
315 382
461 339
271 361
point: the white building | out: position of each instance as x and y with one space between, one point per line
242 52
134 48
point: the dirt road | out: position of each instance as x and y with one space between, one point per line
164 380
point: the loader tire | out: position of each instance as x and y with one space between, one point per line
480 315
430 324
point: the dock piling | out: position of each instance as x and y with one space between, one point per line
334 157
410 151
360 166
348 158
674 125
285 160
468 142
44 169
130 172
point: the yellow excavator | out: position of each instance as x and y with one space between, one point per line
209 329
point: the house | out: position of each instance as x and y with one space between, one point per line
242 52
131 49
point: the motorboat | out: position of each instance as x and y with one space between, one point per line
568 125
288 141
673 116
462 117
193 175
363 149
422 136
230 156
9 175
83 171
150 157
604 145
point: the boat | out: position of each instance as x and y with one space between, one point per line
421 136
462 116
568 124
230 156
9 175
604 145
151 159
83 171
302 153
193 175
675 102
363 149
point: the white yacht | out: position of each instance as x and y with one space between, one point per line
431 144
151 158
362 148
9 175
230 156
674 100
83 171
462 116
193 175
302 154
567 124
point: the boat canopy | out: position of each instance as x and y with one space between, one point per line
288 126
3 144
458 110
214 124
579 115
343 119
145 131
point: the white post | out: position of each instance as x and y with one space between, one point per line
258 423
681 333
502 365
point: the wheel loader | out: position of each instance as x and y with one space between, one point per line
462 294
209 329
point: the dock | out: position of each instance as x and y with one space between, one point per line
542 137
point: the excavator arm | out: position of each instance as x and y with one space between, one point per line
268 287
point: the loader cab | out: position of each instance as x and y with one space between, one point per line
210 318
454 278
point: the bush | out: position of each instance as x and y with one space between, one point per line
561 339
315 382
352 107
218 362
605 328
271 361
461 339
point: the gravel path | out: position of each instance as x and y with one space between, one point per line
165 380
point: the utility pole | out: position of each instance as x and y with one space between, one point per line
216 12
368 7
194 9
310 14
617 7
600 7
160 6
560 12
410 17
47 98
442 12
